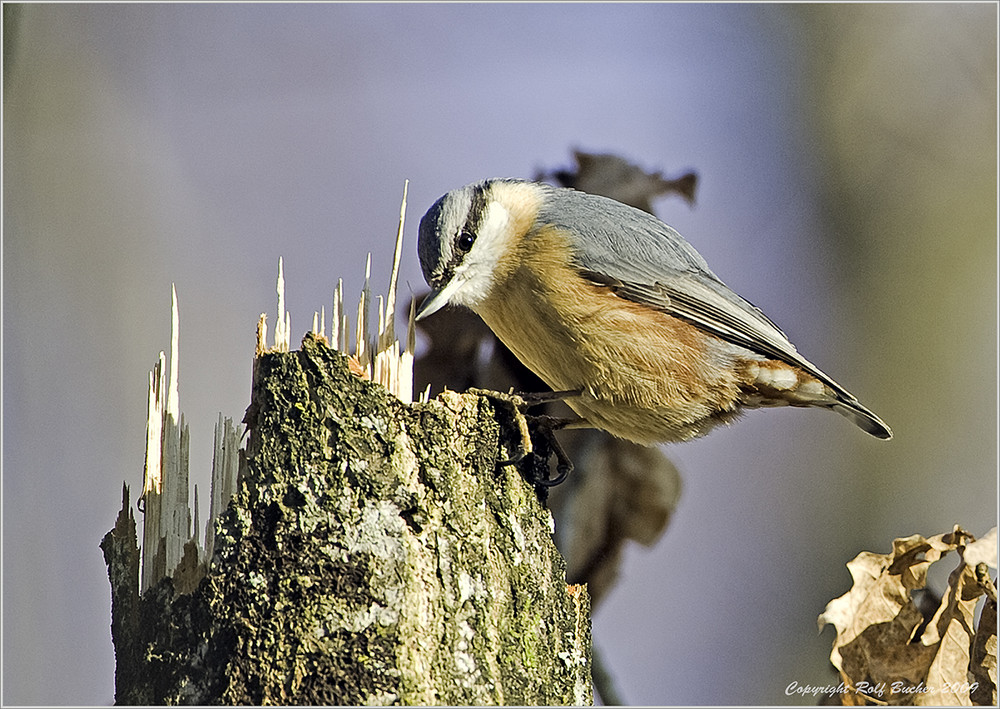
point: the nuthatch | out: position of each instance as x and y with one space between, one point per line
612 306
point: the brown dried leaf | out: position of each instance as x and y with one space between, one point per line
983 550
619 492
983 660
615 177
951 631
880 651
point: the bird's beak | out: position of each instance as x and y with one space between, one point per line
434 301
440 297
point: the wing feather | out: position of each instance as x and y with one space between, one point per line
646 261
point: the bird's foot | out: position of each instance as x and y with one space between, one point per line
537 441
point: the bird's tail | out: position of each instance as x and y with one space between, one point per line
777 383
861 417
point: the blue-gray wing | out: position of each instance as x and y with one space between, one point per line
644 260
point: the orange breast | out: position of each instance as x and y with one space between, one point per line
646 376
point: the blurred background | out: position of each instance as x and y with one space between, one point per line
847 185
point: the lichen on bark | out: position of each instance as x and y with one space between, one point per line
375 553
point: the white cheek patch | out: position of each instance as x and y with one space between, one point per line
494 236
475 275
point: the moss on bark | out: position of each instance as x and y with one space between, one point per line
375 553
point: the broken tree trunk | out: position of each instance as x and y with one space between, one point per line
374 553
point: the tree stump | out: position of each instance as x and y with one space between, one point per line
374 553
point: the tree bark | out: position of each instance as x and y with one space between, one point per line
375 553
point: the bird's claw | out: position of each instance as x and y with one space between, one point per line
543 427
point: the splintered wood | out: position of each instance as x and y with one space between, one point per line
377 356
165 502
167 517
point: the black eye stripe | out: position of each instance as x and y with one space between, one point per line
477 211
463 240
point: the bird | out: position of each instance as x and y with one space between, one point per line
616 312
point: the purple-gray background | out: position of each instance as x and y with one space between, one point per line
847 157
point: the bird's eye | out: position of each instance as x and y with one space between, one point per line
466 240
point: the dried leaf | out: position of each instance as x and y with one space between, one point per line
882 651
619 492
983 550
951 631
983 660
615 177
